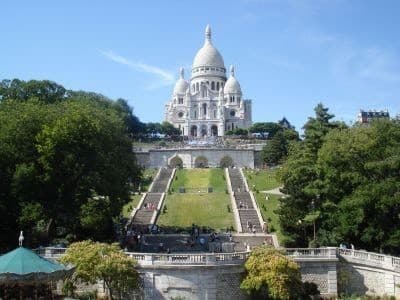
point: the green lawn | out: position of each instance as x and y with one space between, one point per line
127 209
263 180
199 178
208 210
148 176
267 208
203 209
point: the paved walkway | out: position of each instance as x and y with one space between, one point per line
183 243
275 191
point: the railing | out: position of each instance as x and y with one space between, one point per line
189 259
364 257
51 252
311 252
375 259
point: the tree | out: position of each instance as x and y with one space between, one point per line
95 262
134 126
358 169
269 128
169 129
300 176
226 162
43 90
66 165
271 275
275 149
238 131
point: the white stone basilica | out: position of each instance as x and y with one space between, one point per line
209 104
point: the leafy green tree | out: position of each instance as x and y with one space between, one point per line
169 129
271 275
153 128
95 262
238 131
359 174
275 149
300 176
266 127
134 126
56 157
43 90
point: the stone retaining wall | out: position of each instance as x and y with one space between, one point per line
162 157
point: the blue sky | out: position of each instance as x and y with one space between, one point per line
288 54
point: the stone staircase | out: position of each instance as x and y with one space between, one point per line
247 212
161 182
147 211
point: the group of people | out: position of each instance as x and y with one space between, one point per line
133 238
243 206
251 227
150 206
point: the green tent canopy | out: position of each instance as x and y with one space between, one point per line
24 265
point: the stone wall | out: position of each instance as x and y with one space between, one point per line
322 273
360 279
218 275
193 282
162 157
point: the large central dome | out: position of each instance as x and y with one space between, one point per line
208 55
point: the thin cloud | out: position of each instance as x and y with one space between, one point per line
165 77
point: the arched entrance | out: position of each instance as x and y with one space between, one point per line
176 162
193 131
203 130
201 162
214 130
226 162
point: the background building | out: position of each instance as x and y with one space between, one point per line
365 117
210 103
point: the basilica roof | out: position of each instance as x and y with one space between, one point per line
181 85
232 84
208 55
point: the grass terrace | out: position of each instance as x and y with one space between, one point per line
192 179
148 176
196 206
127 208
264 180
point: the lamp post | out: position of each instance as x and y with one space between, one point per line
313 202
313 209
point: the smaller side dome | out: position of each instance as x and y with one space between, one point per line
232 84
181 85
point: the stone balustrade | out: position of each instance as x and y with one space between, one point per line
370 259
356 256
145 259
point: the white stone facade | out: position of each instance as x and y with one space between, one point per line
209 104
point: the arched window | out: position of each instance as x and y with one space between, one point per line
213 85
217 86
215 114
197 87
195 114
232 99
193 87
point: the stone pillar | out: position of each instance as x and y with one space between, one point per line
332 279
